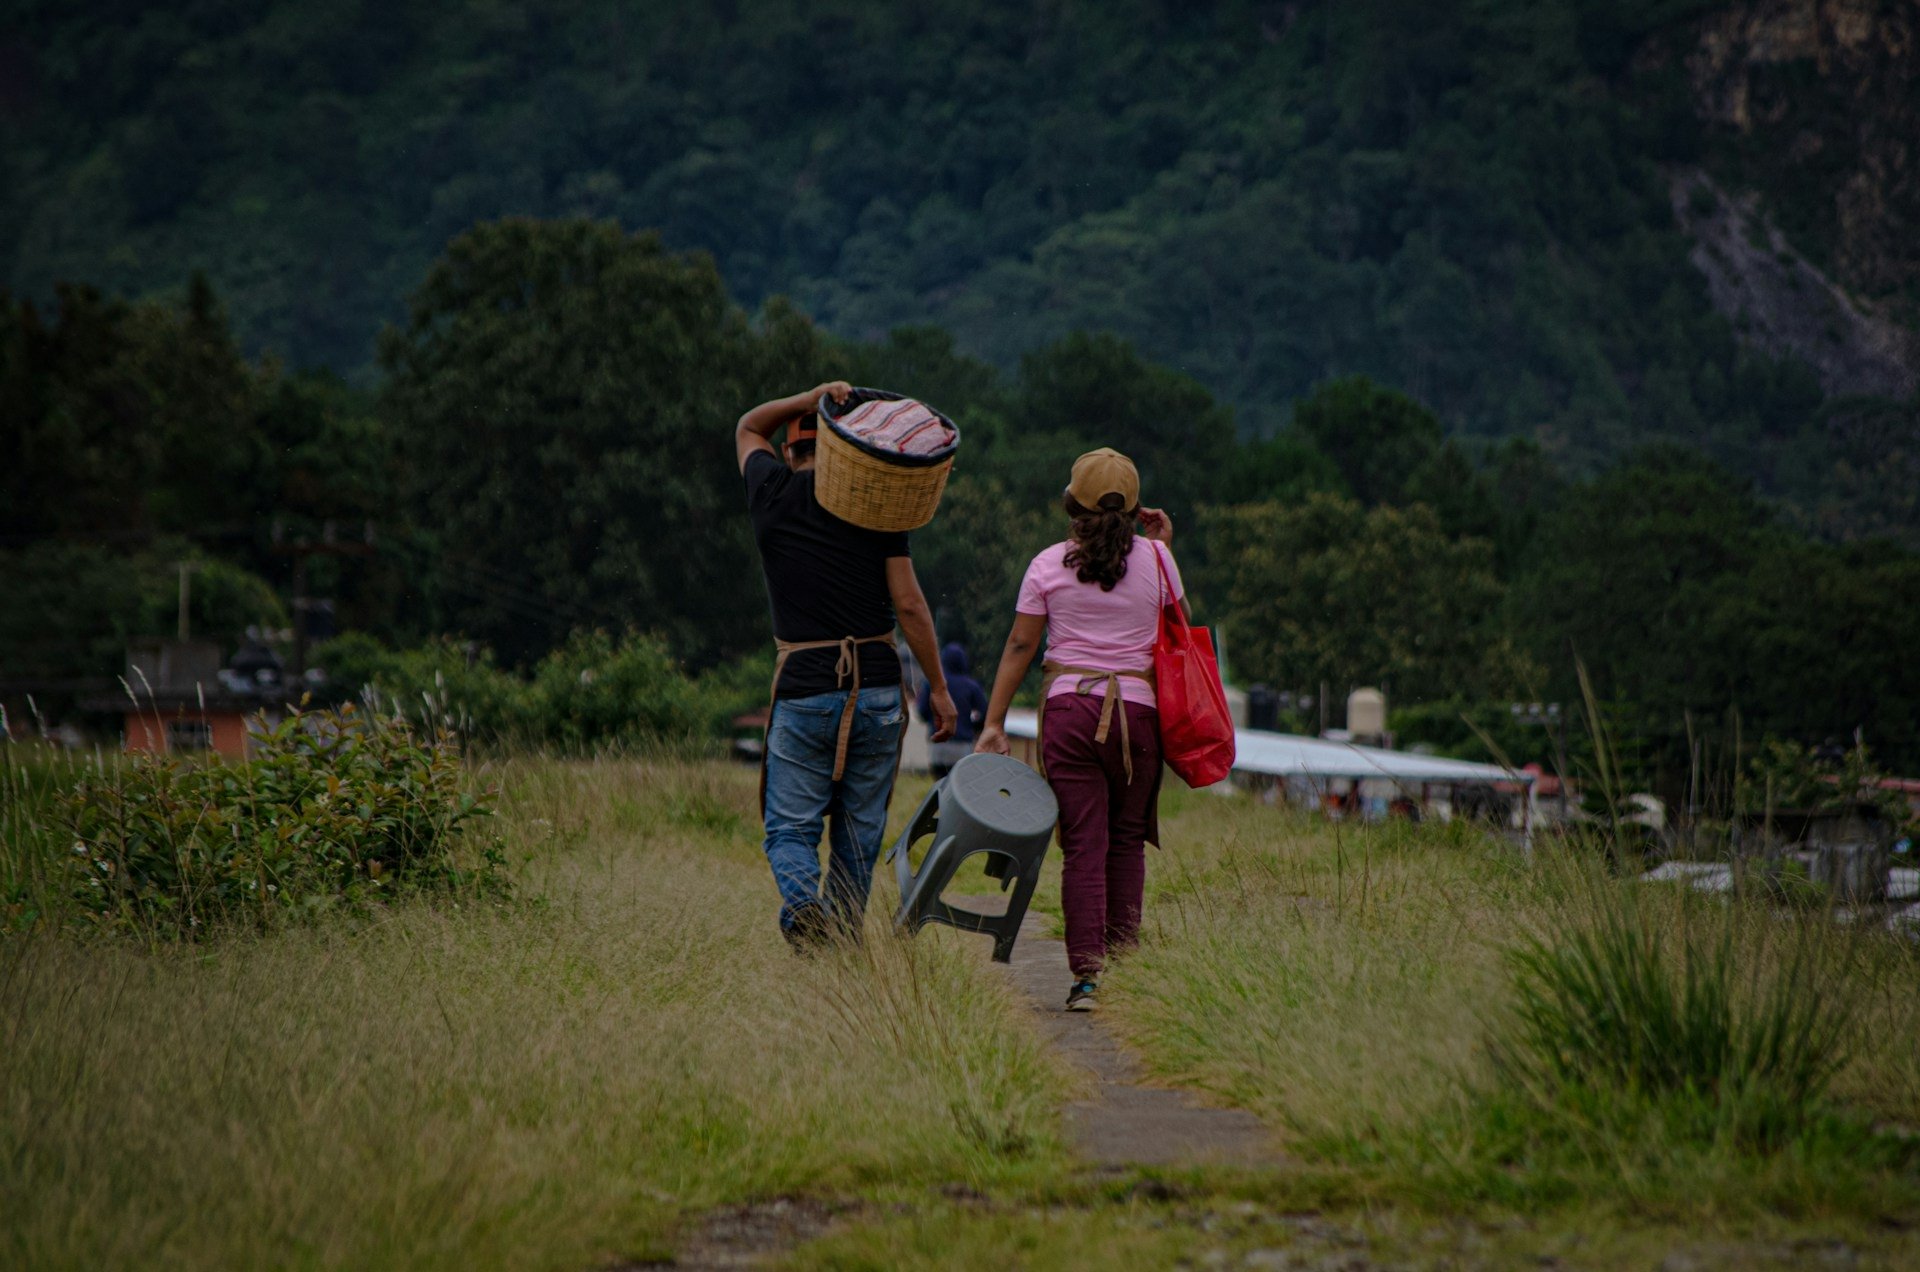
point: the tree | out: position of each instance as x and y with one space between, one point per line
1285 467
564 394
1623 577
1377 438
972 558
1467 202
1687 600
923 363
1330 591
72 607
139 416
1522 484
1096 390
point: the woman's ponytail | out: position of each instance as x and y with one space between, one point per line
1102 542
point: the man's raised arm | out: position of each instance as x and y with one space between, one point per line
756 428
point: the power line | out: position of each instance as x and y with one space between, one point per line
479 580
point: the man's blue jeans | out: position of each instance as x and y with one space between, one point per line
801 795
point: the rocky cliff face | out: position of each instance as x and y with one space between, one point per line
1819 104
1778 301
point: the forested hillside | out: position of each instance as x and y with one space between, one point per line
1473 203
1465 343
546 473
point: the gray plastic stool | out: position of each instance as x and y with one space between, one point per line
987 804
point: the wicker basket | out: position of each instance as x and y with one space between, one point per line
873 488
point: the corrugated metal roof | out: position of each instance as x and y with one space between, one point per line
1291 755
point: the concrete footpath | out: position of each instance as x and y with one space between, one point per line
1124 1121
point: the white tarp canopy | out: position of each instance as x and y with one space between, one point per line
1291 755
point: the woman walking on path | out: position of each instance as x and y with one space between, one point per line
1097 597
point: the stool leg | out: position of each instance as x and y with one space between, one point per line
1008 929
925 818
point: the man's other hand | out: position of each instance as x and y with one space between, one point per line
946 717
835 389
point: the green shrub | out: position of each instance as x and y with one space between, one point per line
1621 1015
439 686
335 808
735 689
593 692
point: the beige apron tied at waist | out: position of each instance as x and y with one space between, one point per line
1089 677
846 670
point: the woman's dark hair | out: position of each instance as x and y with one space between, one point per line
1102 541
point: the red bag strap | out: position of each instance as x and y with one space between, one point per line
1166 589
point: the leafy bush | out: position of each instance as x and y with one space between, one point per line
734 689
335 808
438 686
1619 1017
595 691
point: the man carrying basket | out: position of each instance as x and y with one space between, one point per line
833 737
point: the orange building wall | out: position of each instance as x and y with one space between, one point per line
147 730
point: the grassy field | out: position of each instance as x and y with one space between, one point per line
553 1083
1353 986
577 1077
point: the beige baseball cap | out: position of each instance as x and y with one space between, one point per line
1100 473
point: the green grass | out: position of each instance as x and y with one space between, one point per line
549 1083
1461 1027
575 1076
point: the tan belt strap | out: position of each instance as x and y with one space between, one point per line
848 667
1089 677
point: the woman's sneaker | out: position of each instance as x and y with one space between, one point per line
1080 997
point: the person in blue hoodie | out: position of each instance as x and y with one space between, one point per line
970 705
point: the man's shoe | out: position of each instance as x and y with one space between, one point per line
1080 997
808 930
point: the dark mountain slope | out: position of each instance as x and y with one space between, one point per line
1471 202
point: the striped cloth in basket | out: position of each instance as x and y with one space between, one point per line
905 427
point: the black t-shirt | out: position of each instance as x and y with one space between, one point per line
826 578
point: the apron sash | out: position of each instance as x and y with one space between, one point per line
1109 707
845 670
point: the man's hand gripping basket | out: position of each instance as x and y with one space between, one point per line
882 460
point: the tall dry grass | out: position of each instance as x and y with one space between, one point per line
550 1083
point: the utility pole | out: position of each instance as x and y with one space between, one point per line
302 550
186 591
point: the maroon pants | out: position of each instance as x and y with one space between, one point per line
1104 822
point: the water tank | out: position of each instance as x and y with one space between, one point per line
1366 714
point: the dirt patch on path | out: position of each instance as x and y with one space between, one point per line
1125 1121
749 1236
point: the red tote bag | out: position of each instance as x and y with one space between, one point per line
1196 729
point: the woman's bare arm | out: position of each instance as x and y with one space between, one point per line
1022 643
1155 524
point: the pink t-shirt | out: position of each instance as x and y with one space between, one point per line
1087 627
